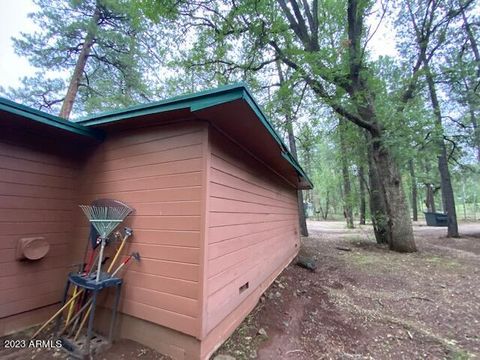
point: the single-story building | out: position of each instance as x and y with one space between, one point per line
214 190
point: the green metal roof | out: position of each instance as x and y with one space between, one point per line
195 102
51 120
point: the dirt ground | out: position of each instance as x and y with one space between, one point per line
362 302
370 303
121 350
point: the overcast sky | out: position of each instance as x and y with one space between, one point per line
14 19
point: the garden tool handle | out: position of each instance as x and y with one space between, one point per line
57 313
128 233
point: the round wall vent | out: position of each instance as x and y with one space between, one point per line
33 248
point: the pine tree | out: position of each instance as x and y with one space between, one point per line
88 54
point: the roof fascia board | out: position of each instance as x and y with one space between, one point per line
196 103
178 102
285 151
111 118
217 100
48 119
297 167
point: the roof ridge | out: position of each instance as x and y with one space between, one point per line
174 99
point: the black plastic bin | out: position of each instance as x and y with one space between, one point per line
436 219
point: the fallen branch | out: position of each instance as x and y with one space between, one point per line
421 298
294 351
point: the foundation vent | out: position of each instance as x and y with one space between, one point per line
242 288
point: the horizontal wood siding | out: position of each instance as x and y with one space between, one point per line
158 171
252 229
38 183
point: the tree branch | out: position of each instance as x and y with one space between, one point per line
319 90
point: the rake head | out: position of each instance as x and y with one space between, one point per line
106 214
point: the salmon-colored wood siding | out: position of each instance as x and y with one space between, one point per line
209 218
158 170
38 180
252 227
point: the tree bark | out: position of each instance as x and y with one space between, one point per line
347 189
448 198
430 198
301 209
399 222
293 149
324 212
413 179
472 40
327 205
72 91
476 54
363 207
378 208
476 130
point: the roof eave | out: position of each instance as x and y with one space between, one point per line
198 102
193 102
307 183
47 119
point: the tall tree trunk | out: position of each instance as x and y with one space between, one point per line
308 169
413 179
72 91
363 206
324 212
378 208
361 93
301 209
347 189
476 130
347 194
475 207
448 198
472 40
327 205
293 149
399 223
476 54
430 198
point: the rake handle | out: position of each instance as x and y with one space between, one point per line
128 233
56 314
121 265
77 315
100 259
72 304
85 317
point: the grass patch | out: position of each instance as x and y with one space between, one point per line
366 259
442 262
356 239
460 355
